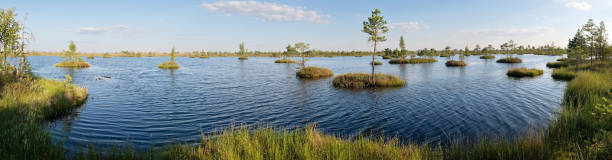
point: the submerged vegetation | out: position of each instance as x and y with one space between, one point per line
72 59
314 72
363 80
524 72
171 64
413 61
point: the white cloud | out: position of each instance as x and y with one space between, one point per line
103 30
267 11
407 26
508 32
583 6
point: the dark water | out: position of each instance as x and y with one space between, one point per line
144 106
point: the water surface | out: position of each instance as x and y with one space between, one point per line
145 106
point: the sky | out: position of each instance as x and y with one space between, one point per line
270 25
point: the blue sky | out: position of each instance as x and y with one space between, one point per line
268 25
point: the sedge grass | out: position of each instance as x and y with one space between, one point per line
557 64
563 74
169 65
376 63
80 64
453 63
487 57
284 61
509 60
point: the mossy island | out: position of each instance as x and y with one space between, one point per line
376 63
562 59
487 57
413 61
364 80
284 61
509 60
454 63
314 73
72 59
557 64
524 72
171 64
386 57
90 57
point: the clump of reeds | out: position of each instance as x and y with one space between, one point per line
524 72
363 80
314 72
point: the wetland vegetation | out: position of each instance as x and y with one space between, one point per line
582 129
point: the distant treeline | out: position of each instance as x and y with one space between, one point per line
541 50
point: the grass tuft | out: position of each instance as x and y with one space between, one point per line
81 64
376 63
557 64
509 60
487 57
243 58
563 74
314 72
169 65
386 57
563 59
284 61
524 72
363 80
453 63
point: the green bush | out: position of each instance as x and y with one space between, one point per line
169 65
524 72
363 80
314 72
509 60
453 63
413 61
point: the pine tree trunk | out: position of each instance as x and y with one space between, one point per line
373 58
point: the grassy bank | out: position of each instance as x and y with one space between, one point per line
24 108
363 80
413 61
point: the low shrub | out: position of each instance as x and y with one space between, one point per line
453 63
80 64
169 65
314 72
563 74
376 62
524 72
362 80
557 64
509 60
487 57
413 61
284 61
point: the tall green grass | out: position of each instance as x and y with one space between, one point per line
363 80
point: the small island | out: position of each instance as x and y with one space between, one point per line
509 60
459 63
364 80
376 63
72 59
524 72
308 72
171 64
487 57
557 64
413 61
